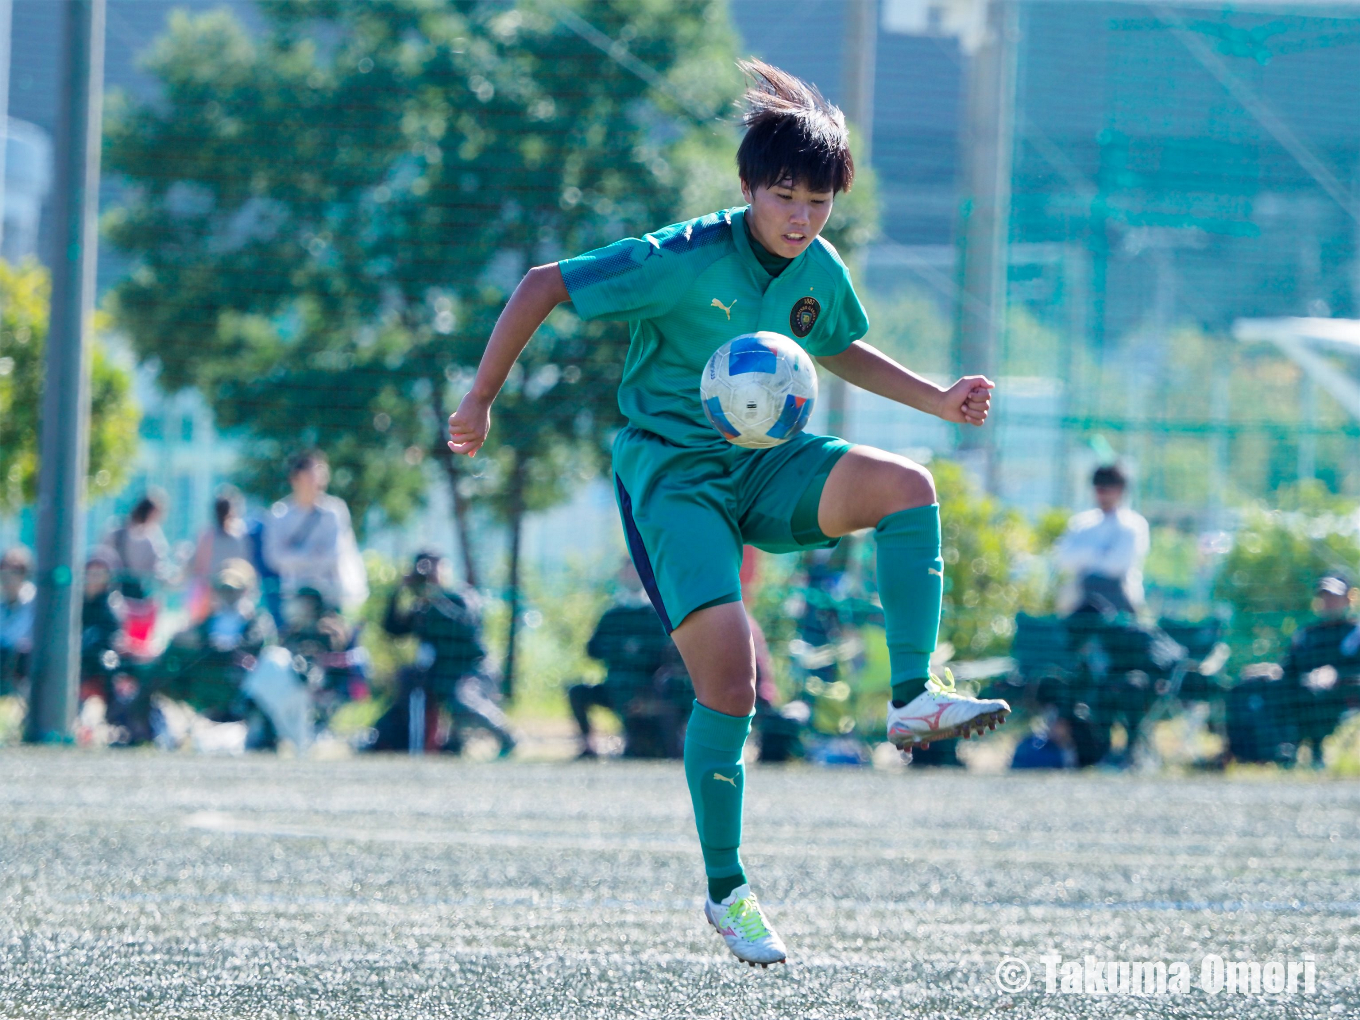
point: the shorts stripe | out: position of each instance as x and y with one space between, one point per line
639 553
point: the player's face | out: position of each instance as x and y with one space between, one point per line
787 217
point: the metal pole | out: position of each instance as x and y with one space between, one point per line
990 131
857 77
64 434
857 84
6 24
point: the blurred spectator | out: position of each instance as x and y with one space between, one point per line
632 644
309 540
16 618
206 664
311 627
102 671
143 552
448 662
101 622
327 645
1334 638
1103 551
143 563
1322 663
1051 745
226 539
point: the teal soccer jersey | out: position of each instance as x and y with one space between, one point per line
687 289
688 498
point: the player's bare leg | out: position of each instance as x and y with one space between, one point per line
719 654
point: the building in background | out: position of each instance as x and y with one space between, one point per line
28 180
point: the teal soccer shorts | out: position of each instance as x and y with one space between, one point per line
688 511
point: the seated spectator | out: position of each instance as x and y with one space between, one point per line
16 619
448 666
101 623
321 637
311 627
1102 552
1331 640
144 564
1050 746
207 663
632 644
1322 662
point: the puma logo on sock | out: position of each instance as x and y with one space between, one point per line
932 570
726 779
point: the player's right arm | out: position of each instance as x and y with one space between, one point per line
541 290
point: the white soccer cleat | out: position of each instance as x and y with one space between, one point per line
742 924
940 713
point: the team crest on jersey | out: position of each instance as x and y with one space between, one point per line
804 316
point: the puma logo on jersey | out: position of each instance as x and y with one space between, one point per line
932 570
727 309
719 775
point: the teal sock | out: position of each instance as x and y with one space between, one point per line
910 586
716 777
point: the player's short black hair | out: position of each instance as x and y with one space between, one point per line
1109 475
792 133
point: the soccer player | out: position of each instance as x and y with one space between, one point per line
689 499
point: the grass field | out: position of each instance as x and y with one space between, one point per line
150 885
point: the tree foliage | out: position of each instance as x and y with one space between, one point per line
1270 574
25 297
326 220
986 548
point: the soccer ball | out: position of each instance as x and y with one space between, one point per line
758 389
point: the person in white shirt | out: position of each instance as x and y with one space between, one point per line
309 540
1103 550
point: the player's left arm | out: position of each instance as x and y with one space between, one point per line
965 402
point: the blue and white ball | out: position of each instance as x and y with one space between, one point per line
758 389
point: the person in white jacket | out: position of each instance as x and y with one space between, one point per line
309 539
1102 552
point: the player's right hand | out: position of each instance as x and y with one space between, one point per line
469 425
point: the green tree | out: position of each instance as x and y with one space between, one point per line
986 548
25 298
1269 575
327 219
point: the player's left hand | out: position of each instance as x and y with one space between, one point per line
968 400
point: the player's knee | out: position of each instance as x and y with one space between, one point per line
738 694
912 486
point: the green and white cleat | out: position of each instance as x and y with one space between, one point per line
742 924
